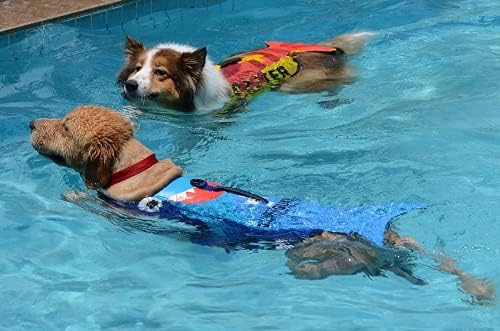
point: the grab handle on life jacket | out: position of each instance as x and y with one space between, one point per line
202 184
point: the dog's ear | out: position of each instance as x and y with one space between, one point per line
100 161
194 62
104 149
132 47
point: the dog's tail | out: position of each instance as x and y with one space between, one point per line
350 43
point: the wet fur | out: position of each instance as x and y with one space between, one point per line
194 83
87 140
319 72
340 254
183 85
96 142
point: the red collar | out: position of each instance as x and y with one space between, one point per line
133 170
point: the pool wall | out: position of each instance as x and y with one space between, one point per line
96 17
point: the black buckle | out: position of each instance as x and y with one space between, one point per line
202 184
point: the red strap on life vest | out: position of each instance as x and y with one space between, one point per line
133 170
297 47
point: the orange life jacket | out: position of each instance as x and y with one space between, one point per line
251 72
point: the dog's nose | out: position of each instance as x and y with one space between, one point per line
32 125
131 85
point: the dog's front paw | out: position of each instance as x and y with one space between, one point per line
74 196
331 104
482 290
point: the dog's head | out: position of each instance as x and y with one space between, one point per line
168 73
89 139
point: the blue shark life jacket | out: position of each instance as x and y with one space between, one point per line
239 215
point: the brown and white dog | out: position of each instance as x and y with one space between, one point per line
184 78
99 143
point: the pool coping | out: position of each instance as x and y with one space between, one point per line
86 9
95 8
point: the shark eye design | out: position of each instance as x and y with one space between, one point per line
150 205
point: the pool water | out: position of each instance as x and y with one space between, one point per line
421 123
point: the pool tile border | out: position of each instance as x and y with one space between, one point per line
105 16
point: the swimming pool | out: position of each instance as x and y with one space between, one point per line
420 123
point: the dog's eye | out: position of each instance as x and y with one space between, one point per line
65 130
137 68
160 72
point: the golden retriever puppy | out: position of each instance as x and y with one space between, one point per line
100 144
97 142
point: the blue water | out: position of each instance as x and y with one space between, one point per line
423 124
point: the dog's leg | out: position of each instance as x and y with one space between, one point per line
482 290
333 254
331 104
406 274
75 196
332 265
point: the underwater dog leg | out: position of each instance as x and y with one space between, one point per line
406 274
333 254
482 290
313 269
